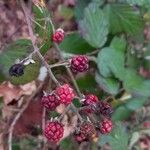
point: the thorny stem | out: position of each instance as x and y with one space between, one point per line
36 49
59 64
69 71
70 74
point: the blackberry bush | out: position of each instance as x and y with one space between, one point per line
106 57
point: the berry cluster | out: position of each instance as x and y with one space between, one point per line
64 94
87 129
90 104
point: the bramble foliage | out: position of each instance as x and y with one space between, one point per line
108 28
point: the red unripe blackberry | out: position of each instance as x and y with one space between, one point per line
54 131
90 99
80 137
87 129
50 101
106 126
79 63
105 108
58 36
65 93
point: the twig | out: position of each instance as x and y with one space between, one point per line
59 64
69 71
19 115
43 126
36 49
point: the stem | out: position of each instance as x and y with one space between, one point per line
77 112
70 74
36 49
69 71
57 65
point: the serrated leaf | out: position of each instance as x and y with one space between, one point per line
135 103
123 18
121 113
136 84
111 62
118 43
31 72
16 50
109 85
119 138
94 26
43 27
79 8
74 43
138 2
135 137
87 84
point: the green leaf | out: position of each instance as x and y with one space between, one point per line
74 43
15 146
119 138
94 26
16 50
109 85
79 8
2 77
66 144
111 62
77 103
123 18
118 43
87 83
135 84
31 72
134 138
43 27
66 12
121 113
132 61
135 103
138 2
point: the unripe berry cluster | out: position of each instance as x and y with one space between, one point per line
86 130
64 94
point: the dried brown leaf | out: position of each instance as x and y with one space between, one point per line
69 125
10 92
